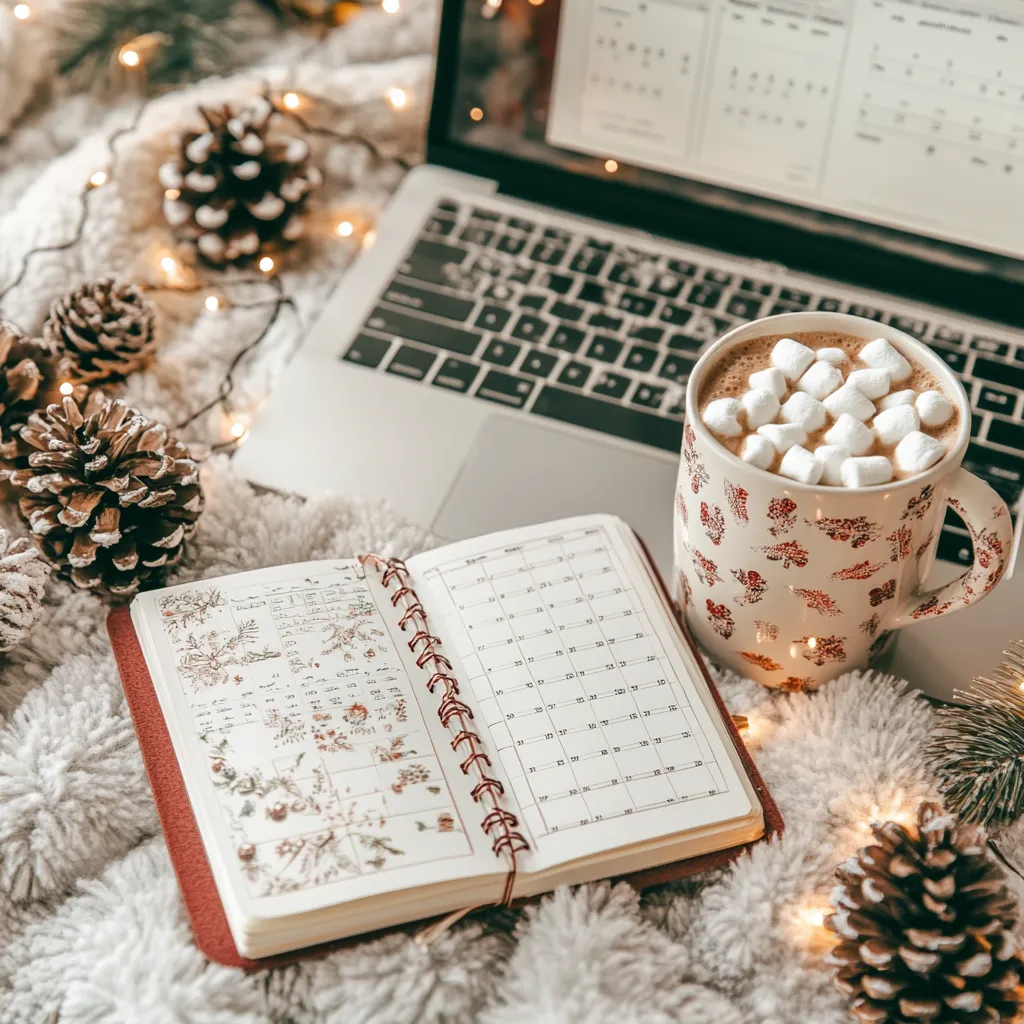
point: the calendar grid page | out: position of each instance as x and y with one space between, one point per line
589 713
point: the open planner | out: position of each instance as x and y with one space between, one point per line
365 742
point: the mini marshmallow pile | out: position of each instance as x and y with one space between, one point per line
823 394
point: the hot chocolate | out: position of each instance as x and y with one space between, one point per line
830 408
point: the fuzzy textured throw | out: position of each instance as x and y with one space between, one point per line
92 929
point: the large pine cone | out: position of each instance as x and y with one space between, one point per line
31 373
234 191
106 328
23 575
109 496
926 923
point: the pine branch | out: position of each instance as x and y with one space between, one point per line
977 750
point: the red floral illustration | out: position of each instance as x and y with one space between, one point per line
355 714
860 571
681 508
720 618
924 546
445 822
987 549
857 531
707 571
821 649
818 601
766 630
782 513
788 553
737 498
688 436
698 474
713 521
794 684
761 661
931 607
411 776
754 584
879 595
870 626
899 544
919 506
684 590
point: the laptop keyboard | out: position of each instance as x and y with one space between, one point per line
583 330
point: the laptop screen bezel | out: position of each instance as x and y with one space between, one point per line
825 245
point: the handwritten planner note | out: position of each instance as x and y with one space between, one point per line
317 749
581 700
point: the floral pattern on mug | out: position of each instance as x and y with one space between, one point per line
761 661
879 595
900 541
707 571
821 649
860 571
858 530
788 553
754 585
766 631
818 601
713 521
918 507
782 513
681 508
737 500
870 626
698 474
720 618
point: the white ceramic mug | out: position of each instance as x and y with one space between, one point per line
793 585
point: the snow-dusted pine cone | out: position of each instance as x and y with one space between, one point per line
106 327
926 924
110 497
238 188
23 575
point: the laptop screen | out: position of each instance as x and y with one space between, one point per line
907 114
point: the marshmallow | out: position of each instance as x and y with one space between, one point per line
866 472
870 383
832 457
799 464
783 435
835 356
762 407
934 408
792 358
820 380
804 411
918 452
772 379
758 451
881 355
849 432
894 424
850 401
905 397
722 417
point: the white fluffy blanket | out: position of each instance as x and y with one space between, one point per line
92 929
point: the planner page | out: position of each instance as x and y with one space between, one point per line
311 750
582 687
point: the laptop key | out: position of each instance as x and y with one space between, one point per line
538 364
1010 435
604 321
676 368
477 235
451 307
649 395
868 312
557 283
600 246
521 275
623 421
547 252
678 315
684 343
827 305
763 288
575 375
955 360
455 374
948 334
566 311
785 307
612 385
428 332
990 346
566 339
559 234
909 325
707 295
505 389
638 305
955 547
520 224
501 352
586 262
366 350
997 467
1006 374
640 358
511 244
682 267
622 273
605 349
743 307
439 225
492 318
802 300
591 292
478 214
450 205
410 361
429 261
717 276
499 291
668 285
529 328
647 332
533 300
437 252
995 400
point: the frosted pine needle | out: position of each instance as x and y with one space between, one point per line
977 750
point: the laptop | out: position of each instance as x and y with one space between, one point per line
613 184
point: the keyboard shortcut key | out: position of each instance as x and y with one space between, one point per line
990 346
641 358
492 318
538 364
366 350
513 245
427 332
566 311
676 368
530 328
1009 435
566 339
743 306
909 325
605 349
505 389
574 375
995 400
456 374
638 305
503 353
650 396
412 362
604 322
611 385
425 300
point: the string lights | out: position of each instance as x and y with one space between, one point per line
345 228
390 6
67 388
291 100
97 178
611 166
22 12
397 97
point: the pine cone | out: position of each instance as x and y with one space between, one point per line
106 328
23 574
109 496
235 192
926 923
32 371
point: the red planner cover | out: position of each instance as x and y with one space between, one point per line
185 846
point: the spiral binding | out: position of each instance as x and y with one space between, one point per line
498 824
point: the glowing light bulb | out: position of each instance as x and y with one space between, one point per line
168 264
397 97
476 114
266 264
237 430
291 100
369 238
345 228
67 388
172 193
390 6
611 166
98 178
814 916
212 303
128 57
22 12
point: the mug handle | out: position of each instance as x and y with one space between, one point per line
987 519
